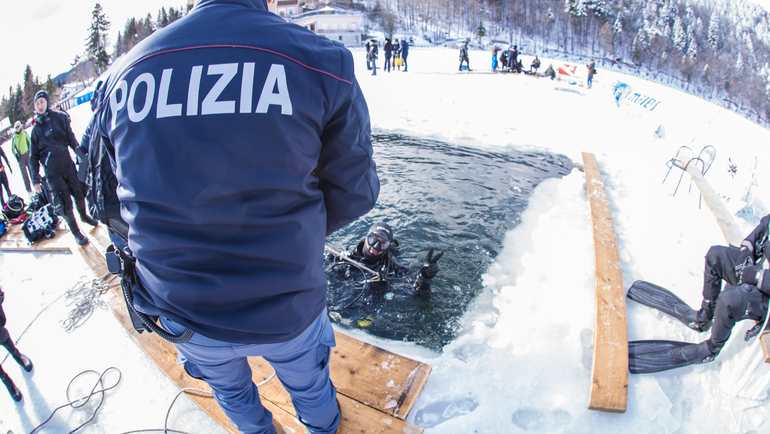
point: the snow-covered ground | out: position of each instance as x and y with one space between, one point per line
523 359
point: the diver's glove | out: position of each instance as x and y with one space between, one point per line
753 332
430 268
428 271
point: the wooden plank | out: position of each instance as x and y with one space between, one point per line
376 388
724 218
764 341
609 374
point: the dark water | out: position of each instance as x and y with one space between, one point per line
459 200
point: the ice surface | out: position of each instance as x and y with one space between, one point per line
521 362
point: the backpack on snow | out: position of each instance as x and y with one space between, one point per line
41 225
3 224
14 208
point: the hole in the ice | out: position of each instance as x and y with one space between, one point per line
457 199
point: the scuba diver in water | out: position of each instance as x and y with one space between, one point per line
377 254
746 271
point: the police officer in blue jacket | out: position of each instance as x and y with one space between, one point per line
240 141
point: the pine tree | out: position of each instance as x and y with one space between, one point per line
15 110
162 20
119 48
481 31
692 49
51 88
679 37
617 27
714 36
96 46
26 98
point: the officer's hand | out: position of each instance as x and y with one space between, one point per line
430 268
38 188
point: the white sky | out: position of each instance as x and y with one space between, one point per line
48 34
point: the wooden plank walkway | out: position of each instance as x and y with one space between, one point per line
609 376
376 388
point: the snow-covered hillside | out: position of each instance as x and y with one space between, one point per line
522 361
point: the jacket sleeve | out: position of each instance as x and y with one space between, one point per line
4 157
346 170
86 139
15 145
34 159
73 141
757 236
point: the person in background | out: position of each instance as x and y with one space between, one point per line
397 60
21 359
4 184
368 60
550 72
51 139
464 59
405 53
374 52
388 49
535 65
20 149
494 58
591 72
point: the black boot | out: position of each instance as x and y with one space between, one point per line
81 205
80 238
705 316
12 389
25 363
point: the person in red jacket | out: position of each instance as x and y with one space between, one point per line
21 359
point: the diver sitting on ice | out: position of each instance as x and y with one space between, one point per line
745 269
377 254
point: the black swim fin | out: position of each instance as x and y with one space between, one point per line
659 298
646 357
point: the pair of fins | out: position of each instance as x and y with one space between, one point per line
646 357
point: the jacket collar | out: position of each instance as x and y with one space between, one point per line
256 4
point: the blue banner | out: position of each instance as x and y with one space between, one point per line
82 99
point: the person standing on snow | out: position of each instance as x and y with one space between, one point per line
397 60
21 359
20 148
368 60
52 137
405 53
374 51
464 57
494 59
388 49
591 72
225 236
550 72
4 184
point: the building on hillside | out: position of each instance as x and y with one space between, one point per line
286 8
342 25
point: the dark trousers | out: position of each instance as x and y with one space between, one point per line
7 342
404 56
736 303
64 188
387 65
4 186
24 167
721 262
466 61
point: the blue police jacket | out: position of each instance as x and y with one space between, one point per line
239 142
